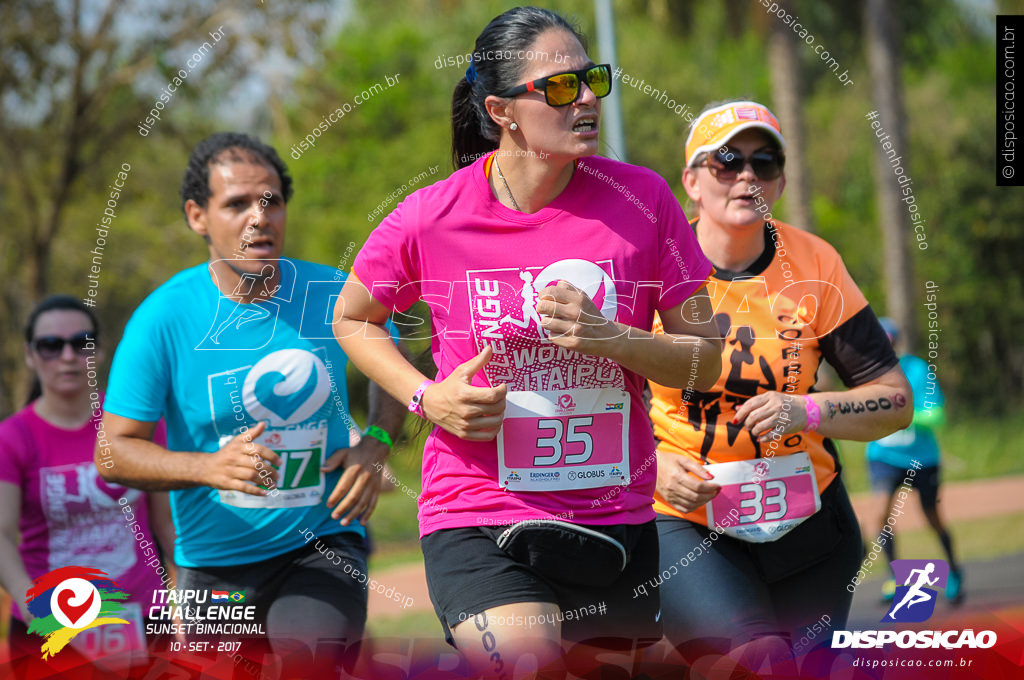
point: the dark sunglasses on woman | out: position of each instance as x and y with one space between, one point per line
725 165
563 89
52 346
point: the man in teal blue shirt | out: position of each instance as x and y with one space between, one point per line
238 356
890 459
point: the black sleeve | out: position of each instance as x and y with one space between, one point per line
859 349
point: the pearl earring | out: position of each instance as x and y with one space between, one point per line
513 127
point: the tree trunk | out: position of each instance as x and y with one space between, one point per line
784 58
881 41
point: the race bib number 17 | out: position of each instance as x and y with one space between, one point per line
300 482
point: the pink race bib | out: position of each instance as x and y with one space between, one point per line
763 499
564 439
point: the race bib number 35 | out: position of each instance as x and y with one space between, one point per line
564 439
763 499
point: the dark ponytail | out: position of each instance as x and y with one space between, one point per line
497 65
55 302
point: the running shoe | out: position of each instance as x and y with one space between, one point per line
955 587
889 589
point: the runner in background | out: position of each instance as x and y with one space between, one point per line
538 474
753 454
890 458
55 510
238 355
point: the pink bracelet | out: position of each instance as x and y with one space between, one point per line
416 403
813 414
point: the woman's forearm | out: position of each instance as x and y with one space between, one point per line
369 346
686 362
864 413
13 577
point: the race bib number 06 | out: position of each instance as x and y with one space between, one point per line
763 499
564 439
103 641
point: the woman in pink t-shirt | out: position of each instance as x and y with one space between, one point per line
541 263
55 510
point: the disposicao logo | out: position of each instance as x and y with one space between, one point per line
70 600
915 599
914 602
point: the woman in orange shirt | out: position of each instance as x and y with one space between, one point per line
753 456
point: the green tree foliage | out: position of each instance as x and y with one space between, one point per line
696 52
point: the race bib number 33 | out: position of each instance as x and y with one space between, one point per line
762 500
564 439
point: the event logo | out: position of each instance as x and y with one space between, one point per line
566 404
915 599
286 387
69 601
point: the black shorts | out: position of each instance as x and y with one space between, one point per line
887 479
467 573
312 599
736 591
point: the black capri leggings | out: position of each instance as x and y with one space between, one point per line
740 591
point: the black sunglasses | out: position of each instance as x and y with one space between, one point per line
52 346
726 165
563 89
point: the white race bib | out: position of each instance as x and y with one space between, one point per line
564 439
301 483
763 499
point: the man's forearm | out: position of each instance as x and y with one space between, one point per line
386 412
141 464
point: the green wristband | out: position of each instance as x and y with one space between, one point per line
380 435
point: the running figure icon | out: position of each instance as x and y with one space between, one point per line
915 594
243 314
529 295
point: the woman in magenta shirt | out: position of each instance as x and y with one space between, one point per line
55 510
541 263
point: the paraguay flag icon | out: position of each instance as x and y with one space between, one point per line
70 600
